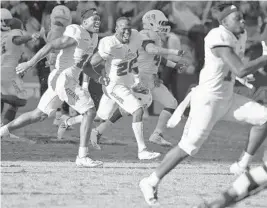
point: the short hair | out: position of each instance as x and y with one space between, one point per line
122 18
88 13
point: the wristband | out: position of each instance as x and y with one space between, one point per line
170 64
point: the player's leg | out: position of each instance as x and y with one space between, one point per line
128 102
248 111
48 103
108 111
10 114
246 185
80 100
163 96
202 118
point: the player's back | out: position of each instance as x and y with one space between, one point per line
10 53
216 76
149 63
71 59
120 58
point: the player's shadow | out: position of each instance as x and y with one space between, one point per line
39 143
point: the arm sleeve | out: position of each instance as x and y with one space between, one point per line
217 38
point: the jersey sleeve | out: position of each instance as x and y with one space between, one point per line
73 31
217 38
145 38
104 48
16 32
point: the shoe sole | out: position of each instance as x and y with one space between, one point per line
161 144
83 166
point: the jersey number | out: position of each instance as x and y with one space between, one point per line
123 67
228 77
157 58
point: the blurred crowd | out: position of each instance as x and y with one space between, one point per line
190 22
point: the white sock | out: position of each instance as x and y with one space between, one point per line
74 120
4 131
83 151
58 114
162 121
153 179
245 160
103 126
139 135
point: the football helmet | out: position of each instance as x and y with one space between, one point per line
156 21
5 17
61 14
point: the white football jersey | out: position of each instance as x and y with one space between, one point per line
71 59
10 53
149 63
120 58
216 77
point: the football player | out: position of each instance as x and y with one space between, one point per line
150 56
76 47
119 52
213 99
12 39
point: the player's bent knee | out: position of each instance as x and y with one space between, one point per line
13 100
190 149
90 112
38 115
171 105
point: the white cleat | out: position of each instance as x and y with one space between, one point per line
95 137
86 162
157 138
146 155
237 170
150 193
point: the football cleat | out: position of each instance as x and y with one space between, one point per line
157 138
237 170
86 162
150 193
146 155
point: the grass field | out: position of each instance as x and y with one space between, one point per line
38 171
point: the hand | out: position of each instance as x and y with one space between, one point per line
35 36
181 67
180 52
264 48
157 81
103 80
22 68
139 88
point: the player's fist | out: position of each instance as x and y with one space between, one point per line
180 52
22 68
139 88
36 36
264 48
103 80
181 67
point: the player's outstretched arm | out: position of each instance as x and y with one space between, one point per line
151 48
60 43
92 68
235 63
180 67
19 40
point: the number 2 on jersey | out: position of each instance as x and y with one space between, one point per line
123 67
